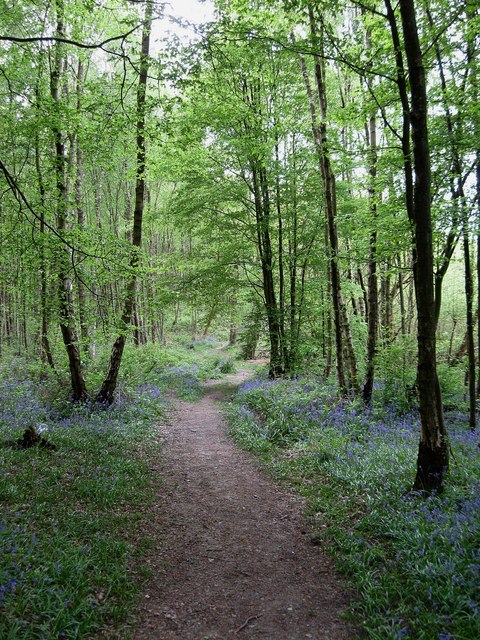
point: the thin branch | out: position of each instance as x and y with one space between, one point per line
22 200
75 43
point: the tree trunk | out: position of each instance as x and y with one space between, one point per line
262 211
82 305
330 231
372 307
470 324
67 321
210 318
281 271
107 390
478 267
458 196
386 308
292 266
462 349
343 338
401 293
232 337
46 350
432 460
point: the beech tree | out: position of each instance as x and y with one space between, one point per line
66 313
433 447
110 382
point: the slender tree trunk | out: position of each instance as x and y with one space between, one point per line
24 321
293 259
281 272
372 307
432 458
344 342
474 81
210 317
161 329
363 299
44 341
82 304
262 210
262 203
450 342
401 293
470 324
458 195
386 307
478 268
462 349
233 304
67 321
107 390
232 336
319 135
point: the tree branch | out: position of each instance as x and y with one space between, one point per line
75 43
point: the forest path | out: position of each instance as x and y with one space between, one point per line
231 560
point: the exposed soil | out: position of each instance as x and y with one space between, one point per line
232 560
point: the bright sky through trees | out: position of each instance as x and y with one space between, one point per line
180 12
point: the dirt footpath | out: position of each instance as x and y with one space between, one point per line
231 561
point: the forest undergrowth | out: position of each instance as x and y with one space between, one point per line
414 560
71 543
67 513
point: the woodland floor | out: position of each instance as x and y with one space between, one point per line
231 556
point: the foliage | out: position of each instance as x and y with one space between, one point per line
413 560
178 367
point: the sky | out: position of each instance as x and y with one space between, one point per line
192 10
195 12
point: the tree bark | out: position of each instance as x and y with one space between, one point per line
82 304
260 190
343 337
210 318
470 324
46 350
478 267
372 307
107 390
67 320
262 211
432 460
330 236
295 308
281 272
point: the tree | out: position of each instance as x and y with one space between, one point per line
432 460
372 307
106 393
67 317
345 353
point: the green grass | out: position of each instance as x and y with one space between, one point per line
178 368
414 562
71 519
